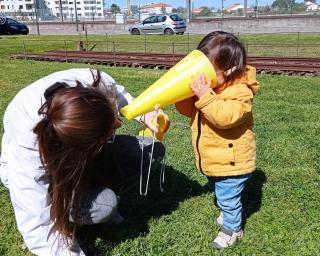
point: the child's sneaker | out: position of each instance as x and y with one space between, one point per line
219 219
226 238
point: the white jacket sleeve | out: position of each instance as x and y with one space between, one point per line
4 160
28 193
32 210
123 97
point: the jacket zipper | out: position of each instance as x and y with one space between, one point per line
198 139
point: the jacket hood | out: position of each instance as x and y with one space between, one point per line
249 78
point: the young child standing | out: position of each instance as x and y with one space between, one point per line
222 129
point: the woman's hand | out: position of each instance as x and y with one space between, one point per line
149 119
200 85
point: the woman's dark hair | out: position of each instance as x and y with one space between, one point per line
226 52
76 122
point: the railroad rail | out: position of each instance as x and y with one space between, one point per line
270 65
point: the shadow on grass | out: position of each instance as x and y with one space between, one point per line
138 210
252 194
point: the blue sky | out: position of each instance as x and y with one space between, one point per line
197 3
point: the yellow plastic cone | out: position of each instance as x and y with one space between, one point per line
173 86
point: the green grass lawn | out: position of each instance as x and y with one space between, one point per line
281 200
295 44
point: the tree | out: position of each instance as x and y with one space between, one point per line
205 11
299 7
264 9
114 8
179 10
240 11
283 4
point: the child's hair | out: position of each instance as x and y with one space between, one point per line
226 52
76 123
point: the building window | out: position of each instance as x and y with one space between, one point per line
20 7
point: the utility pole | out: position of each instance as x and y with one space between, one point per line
36 6
256 8
92 13
222 8
128 8
189 10
71 10
245 8
60 6
76 14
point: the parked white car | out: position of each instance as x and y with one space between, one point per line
160 24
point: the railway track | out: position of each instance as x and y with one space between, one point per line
270 65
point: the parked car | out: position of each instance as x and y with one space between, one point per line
9 26
160 24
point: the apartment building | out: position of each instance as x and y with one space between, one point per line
86 9
49 9
23 8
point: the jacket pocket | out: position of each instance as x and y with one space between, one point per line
217 153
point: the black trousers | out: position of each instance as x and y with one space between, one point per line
119 163
116 171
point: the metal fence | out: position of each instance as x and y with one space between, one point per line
297 49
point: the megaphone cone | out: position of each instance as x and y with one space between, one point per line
173 86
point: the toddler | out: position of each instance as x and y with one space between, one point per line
222 128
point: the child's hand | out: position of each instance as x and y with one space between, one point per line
200 85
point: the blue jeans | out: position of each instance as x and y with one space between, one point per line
228 193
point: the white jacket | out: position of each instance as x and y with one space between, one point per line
20 165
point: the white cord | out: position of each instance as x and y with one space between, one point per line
162 171
163 166
150 161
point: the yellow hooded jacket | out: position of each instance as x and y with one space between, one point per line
222 127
